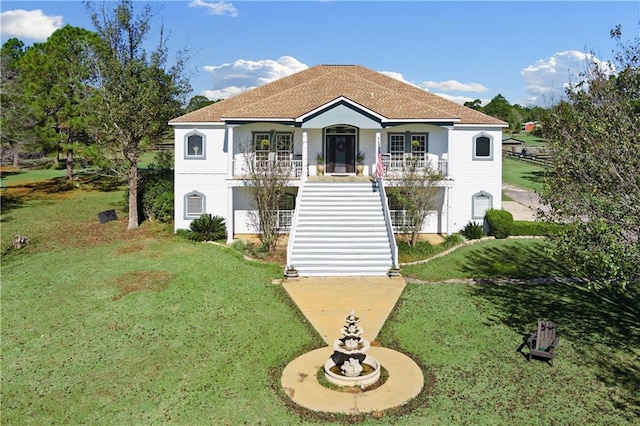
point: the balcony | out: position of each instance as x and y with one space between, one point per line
279 167
394 167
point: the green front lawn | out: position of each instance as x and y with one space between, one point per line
523 174
506 259
106 326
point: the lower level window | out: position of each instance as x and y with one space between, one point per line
482 202
194 205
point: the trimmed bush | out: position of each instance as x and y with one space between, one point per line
500 223
473 231
155 195
208 228
542 229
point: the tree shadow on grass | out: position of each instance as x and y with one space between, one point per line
535 177
14 196
516 262
603 326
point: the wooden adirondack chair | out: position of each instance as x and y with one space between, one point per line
542 343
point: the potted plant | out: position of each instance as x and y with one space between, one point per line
291 272
415 144
319 164
360 163
264 143
394 271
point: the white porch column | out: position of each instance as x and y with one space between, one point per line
449 152
447 206
230 164
375 164
305 156
230 210
230 153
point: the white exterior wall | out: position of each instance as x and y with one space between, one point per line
472 176
207 176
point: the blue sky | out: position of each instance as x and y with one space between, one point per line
526 51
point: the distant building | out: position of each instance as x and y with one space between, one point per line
512 144
530 126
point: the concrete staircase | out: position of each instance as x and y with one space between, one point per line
341 231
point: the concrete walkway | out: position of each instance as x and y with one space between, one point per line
325 302
525 202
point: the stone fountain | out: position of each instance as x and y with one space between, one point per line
349 365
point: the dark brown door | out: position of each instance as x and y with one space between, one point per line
341 154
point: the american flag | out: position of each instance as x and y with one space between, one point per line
379 165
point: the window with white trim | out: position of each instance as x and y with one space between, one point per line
195 146
482 144
284 146
286 205
396 147
194 205
418 146
481 202
261 144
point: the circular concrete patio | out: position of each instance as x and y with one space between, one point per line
299 380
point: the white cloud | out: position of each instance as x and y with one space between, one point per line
454 86
216 8
462 99
547 79
31 24
233 78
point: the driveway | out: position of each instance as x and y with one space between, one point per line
525 202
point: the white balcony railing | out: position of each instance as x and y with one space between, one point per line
241 168
395 167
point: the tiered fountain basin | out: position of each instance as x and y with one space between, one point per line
369 375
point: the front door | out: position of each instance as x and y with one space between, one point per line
341 153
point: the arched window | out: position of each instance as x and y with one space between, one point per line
195 147
481 202
483 147
194 205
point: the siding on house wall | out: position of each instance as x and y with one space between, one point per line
206 176
472 176
209 176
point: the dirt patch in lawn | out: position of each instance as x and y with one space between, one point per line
133 282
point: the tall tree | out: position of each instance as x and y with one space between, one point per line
56 74
137 93
594 184
198 102
17 118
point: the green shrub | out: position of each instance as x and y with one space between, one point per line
156 193
452 240
523 227
500 223
208 228
473 231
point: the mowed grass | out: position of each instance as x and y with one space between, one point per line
101 325
523 174
504 259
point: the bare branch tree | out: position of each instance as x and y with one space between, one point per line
417 191
267 177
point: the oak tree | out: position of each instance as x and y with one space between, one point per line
594 182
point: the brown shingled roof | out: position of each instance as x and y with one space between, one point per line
300 93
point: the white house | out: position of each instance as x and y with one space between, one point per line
338 224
